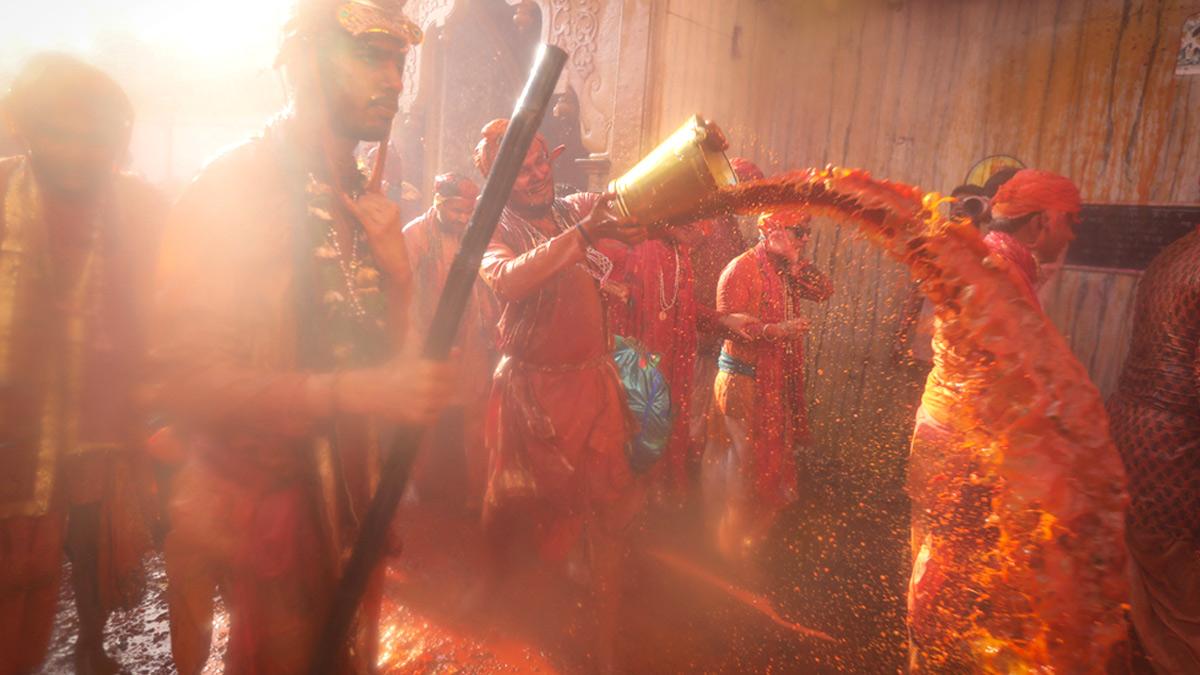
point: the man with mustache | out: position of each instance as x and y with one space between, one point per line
454 464
284 288
77 245
557 423
758 394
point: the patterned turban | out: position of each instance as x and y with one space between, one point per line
1032 191
356 17
489 145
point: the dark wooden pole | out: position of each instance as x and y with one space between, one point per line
369 547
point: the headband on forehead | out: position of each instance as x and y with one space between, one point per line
356 17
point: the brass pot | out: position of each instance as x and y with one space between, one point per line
678 177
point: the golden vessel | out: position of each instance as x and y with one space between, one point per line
682 174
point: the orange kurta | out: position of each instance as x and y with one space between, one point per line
557 422
767 399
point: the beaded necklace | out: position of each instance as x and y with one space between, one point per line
598 265
663 305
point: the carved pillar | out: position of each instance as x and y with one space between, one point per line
609 42
464 75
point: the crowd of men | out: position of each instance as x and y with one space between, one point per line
243 351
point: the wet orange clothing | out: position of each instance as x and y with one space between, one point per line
950 536
73 297
269 497
952 378
557 421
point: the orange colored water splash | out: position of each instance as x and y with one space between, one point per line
1054 582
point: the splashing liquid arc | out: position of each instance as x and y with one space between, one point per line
1052 584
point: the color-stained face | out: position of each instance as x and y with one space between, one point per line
690 234
1058 231
363 78
455 212
534 188
788 243
74 153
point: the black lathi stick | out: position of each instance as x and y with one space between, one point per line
369 547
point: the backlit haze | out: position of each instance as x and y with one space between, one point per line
199 71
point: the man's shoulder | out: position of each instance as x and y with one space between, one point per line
8 164
238 166
139 191
240 198
417 225
743 262
1177 265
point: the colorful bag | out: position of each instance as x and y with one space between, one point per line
649 401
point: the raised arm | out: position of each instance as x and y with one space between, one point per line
512 277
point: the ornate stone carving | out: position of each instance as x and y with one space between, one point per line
575 26
424 13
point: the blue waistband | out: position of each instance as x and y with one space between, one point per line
728 364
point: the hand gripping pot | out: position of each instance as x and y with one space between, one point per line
649 401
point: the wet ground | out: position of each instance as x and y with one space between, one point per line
834 565
139 638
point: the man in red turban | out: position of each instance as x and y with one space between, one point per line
77 250
760 414
557 425
454 466
1032 222
282 312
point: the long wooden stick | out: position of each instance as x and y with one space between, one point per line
369 547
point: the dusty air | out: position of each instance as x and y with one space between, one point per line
605 336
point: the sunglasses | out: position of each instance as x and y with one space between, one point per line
971 206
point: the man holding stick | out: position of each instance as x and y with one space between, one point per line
284 288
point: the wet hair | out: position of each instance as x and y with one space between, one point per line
451 185
51 80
